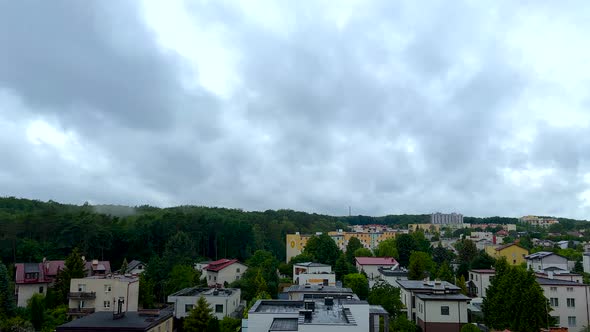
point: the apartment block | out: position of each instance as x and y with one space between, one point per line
97 294
538 221
446 218
569 301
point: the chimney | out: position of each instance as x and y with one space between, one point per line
84 259
95 262
494 239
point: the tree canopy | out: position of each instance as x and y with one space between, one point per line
358 283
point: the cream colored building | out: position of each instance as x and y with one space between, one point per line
96 294
479 281
224 302
310 273
538 221
224 271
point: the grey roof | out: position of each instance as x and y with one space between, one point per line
392 273
542 254
548 281
422 285
553 268
377 309
132 320
312 264
317 289
32 268
134 263
443 297
284 324
200 291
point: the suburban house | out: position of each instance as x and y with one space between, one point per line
131 321
223 301
542 260
371 265
392 274
34 278
322 314
95 294
223 271
96 268
303 292
514 254
313 274
569 301
134 267
435 306
479 281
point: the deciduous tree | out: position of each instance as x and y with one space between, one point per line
421 265
405 244
358 283
388 297
353 245
323 249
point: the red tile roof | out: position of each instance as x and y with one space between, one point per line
221 264
46 272
381 261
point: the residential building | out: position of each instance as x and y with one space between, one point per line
446 218
223 272
434 305
538 221
392 274
541 260
563 244
96 294
433 228
371 265
304 292
555 273
134 267
586 262
140 321
34 278
324 314
569 301
224 301
96 268
514 254
310 273
370 237
479 281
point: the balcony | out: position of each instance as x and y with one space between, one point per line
80 311
82 295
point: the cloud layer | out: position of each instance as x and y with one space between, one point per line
388 107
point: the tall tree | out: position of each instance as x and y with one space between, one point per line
182 276
363 252
180 250
467 251
440 254
343 267
405 244
74 267
124 266
37 309
387 248
388 297
445 273
7 306
323 249
358 283
353 244
421 265
422 243
199 317
462 284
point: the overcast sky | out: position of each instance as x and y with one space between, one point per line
479 107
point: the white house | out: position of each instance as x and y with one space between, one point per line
313 274
325 314
301 292
34 278
569 301
224 301
479 281
135 267
371 265
586 262
542 260
434 305
95 294
224 271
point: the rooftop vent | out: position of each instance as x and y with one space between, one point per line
309 305
329 301
306 314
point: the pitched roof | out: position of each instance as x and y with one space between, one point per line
47 271
542 254
508 245
100 266
383 261
548 281
133 264
220 264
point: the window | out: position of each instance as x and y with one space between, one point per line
472 276
41 289
444 310
219 308
476 277
554 289
571 321
554 302
571 303
557 321
107 304
570 289
215 278
81 288
188 307
238 270
107 288
209 277
237 277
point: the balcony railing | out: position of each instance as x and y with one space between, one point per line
82 295
80 311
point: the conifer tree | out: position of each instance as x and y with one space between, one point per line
199 317
7 306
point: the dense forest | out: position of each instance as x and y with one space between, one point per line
32 229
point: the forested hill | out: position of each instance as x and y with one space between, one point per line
31 229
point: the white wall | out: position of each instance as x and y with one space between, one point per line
230 303
229 274
430 311
580 294
586 263
372 271
128 289
26 291
482 282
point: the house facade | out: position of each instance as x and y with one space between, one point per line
34 278
371 265
542 260
514 254
434 305
313 274
223 271
97 294
479 281
224 302
392 274
569 301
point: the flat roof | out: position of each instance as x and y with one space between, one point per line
312 264
284 324
317 289
484 271
200 291
104 320
421 284
322 314
443 297
548 281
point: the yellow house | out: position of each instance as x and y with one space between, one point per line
513 253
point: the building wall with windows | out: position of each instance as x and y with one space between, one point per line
95 294
227 274
481 279
223 301
569 301
440 315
